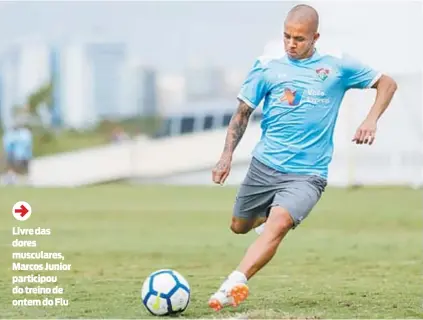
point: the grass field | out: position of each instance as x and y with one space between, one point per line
358 255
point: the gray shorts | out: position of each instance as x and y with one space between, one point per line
264 188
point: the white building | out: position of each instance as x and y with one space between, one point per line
72 86
171 91
141 96
204 82
25 68
89 82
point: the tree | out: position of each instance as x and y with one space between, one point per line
29 113
43 96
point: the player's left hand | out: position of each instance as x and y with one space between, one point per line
366 132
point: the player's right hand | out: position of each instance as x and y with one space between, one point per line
221 170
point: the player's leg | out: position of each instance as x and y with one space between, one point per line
260 220
234 289
24 171
264 248
251 205
244 225
253 199
259 226
290 207
317 182
10 175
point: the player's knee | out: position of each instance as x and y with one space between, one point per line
280 221
240 226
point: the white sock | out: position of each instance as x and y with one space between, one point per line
259 230
237 276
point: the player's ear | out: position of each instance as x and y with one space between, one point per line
316 36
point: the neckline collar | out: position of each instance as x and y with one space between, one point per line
305 60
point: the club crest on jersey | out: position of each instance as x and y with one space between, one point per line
322 73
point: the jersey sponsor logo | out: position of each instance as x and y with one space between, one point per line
316 96
293 97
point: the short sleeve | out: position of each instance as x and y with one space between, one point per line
255 86
358 75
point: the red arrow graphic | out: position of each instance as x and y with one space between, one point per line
23 211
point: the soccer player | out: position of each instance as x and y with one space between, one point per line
302 92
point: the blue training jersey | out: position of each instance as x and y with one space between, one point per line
300 107
23 144
8 141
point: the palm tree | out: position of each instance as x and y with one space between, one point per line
43 96
29 113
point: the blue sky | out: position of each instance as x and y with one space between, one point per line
166 34
170 34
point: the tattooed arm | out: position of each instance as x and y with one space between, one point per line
236 129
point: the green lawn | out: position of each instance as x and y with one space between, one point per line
358 255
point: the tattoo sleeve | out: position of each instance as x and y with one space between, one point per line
237 126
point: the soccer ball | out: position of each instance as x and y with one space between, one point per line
165 292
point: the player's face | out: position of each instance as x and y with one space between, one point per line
299 40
